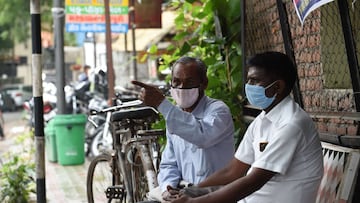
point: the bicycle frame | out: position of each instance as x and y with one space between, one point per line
142 144
105 138
141 141
135 154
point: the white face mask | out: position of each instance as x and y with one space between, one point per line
185 98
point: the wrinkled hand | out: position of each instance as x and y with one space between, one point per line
187 194
171 194
150 95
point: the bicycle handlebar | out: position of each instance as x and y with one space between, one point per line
118 107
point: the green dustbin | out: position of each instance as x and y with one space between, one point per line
70 136
50 142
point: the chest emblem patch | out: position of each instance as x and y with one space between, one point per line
262 146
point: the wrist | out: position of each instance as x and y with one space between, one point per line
160 101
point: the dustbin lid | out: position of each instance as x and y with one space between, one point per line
49 128
65 119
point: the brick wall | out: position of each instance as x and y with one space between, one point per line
326 105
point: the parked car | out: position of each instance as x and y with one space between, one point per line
19 93
7 103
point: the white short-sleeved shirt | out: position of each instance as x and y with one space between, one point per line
284 141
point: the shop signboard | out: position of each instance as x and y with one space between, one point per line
89 16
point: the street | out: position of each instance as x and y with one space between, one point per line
14 122
10 117
14 125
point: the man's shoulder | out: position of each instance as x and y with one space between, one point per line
213 101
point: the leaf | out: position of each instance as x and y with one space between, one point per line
143 58
185 48
153 49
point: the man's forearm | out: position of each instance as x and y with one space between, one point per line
237 189
217 178
234 170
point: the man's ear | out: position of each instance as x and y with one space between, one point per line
204 84
280 87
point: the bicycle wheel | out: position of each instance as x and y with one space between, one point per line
100 177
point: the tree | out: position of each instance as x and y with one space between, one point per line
5 43
15 20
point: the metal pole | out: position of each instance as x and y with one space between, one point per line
350 51
38 101
58 15
109 60
243 44
133 26
125 43
289 49
94 36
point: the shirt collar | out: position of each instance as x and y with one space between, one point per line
200 106
275 114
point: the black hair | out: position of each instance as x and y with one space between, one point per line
276 64
200 65
87 67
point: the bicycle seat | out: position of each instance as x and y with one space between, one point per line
136 113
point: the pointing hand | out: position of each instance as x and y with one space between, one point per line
149 94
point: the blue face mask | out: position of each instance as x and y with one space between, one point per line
256 95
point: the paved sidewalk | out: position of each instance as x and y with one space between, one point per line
66 183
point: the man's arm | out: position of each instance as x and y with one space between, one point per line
236 190
169 173
233 171
209 130
213 128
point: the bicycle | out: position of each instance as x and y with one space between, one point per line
102 139
129 171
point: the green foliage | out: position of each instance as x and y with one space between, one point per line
16 174
6 43
15 21
211 31
70 39
160 125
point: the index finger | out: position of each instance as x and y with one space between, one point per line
135 82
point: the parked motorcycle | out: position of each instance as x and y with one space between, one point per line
49 104
94 122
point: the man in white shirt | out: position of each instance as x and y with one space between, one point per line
199 129
280 158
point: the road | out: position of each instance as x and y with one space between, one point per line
12 116
14 122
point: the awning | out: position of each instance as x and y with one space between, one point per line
144 38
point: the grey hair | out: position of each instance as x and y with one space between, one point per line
200 65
